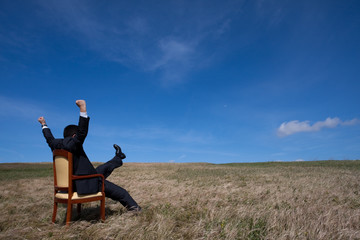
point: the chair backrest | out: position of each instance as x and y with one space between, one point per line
62 171
62 163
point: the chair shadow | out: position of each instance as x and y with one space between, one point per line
90 214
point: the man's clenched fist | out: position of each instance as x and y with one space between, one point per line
82 105
42 120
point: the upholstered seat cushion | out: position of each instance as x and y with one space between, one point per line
77 196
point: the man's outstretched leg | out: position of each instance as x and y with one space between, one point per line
107 168
118 193
112 190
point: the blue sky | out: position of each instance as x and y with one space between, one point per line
183 81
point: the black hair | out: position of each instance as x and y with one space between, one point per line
70 130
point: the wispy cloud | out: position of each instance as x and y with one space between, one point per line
180 158
15 153
175 59
292 127
153 133
145 40
10 107
30 110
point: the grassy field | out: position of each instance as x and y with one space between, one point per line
300 200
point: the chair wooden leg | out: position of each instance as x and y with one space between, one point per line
102 209
54 212
68 214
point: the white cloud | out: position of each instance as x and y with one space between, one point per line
351 122
292 127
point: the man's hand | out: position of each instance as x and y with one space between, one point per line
82 105
42 121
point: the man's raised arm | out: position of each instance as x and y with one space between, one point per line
47 133
83 121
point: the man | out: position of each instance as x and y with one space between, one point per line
74 137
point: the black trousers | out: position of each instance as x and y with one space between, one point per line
112 190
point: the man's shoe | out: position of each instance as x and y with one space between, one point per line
135 209
118 151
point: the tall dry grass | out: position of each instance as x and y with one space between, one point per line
318 200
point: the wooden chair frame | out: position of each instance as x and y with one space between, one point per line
73 197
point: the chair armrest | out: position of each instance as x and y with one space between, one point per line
75 177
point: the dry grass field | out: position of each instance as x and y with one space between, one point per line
300 200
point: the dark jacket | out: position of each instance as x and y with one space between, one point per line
81 163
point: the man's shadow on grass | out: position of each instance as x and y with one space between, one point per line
90 214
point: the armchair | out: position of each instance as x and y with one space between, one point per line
63 186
